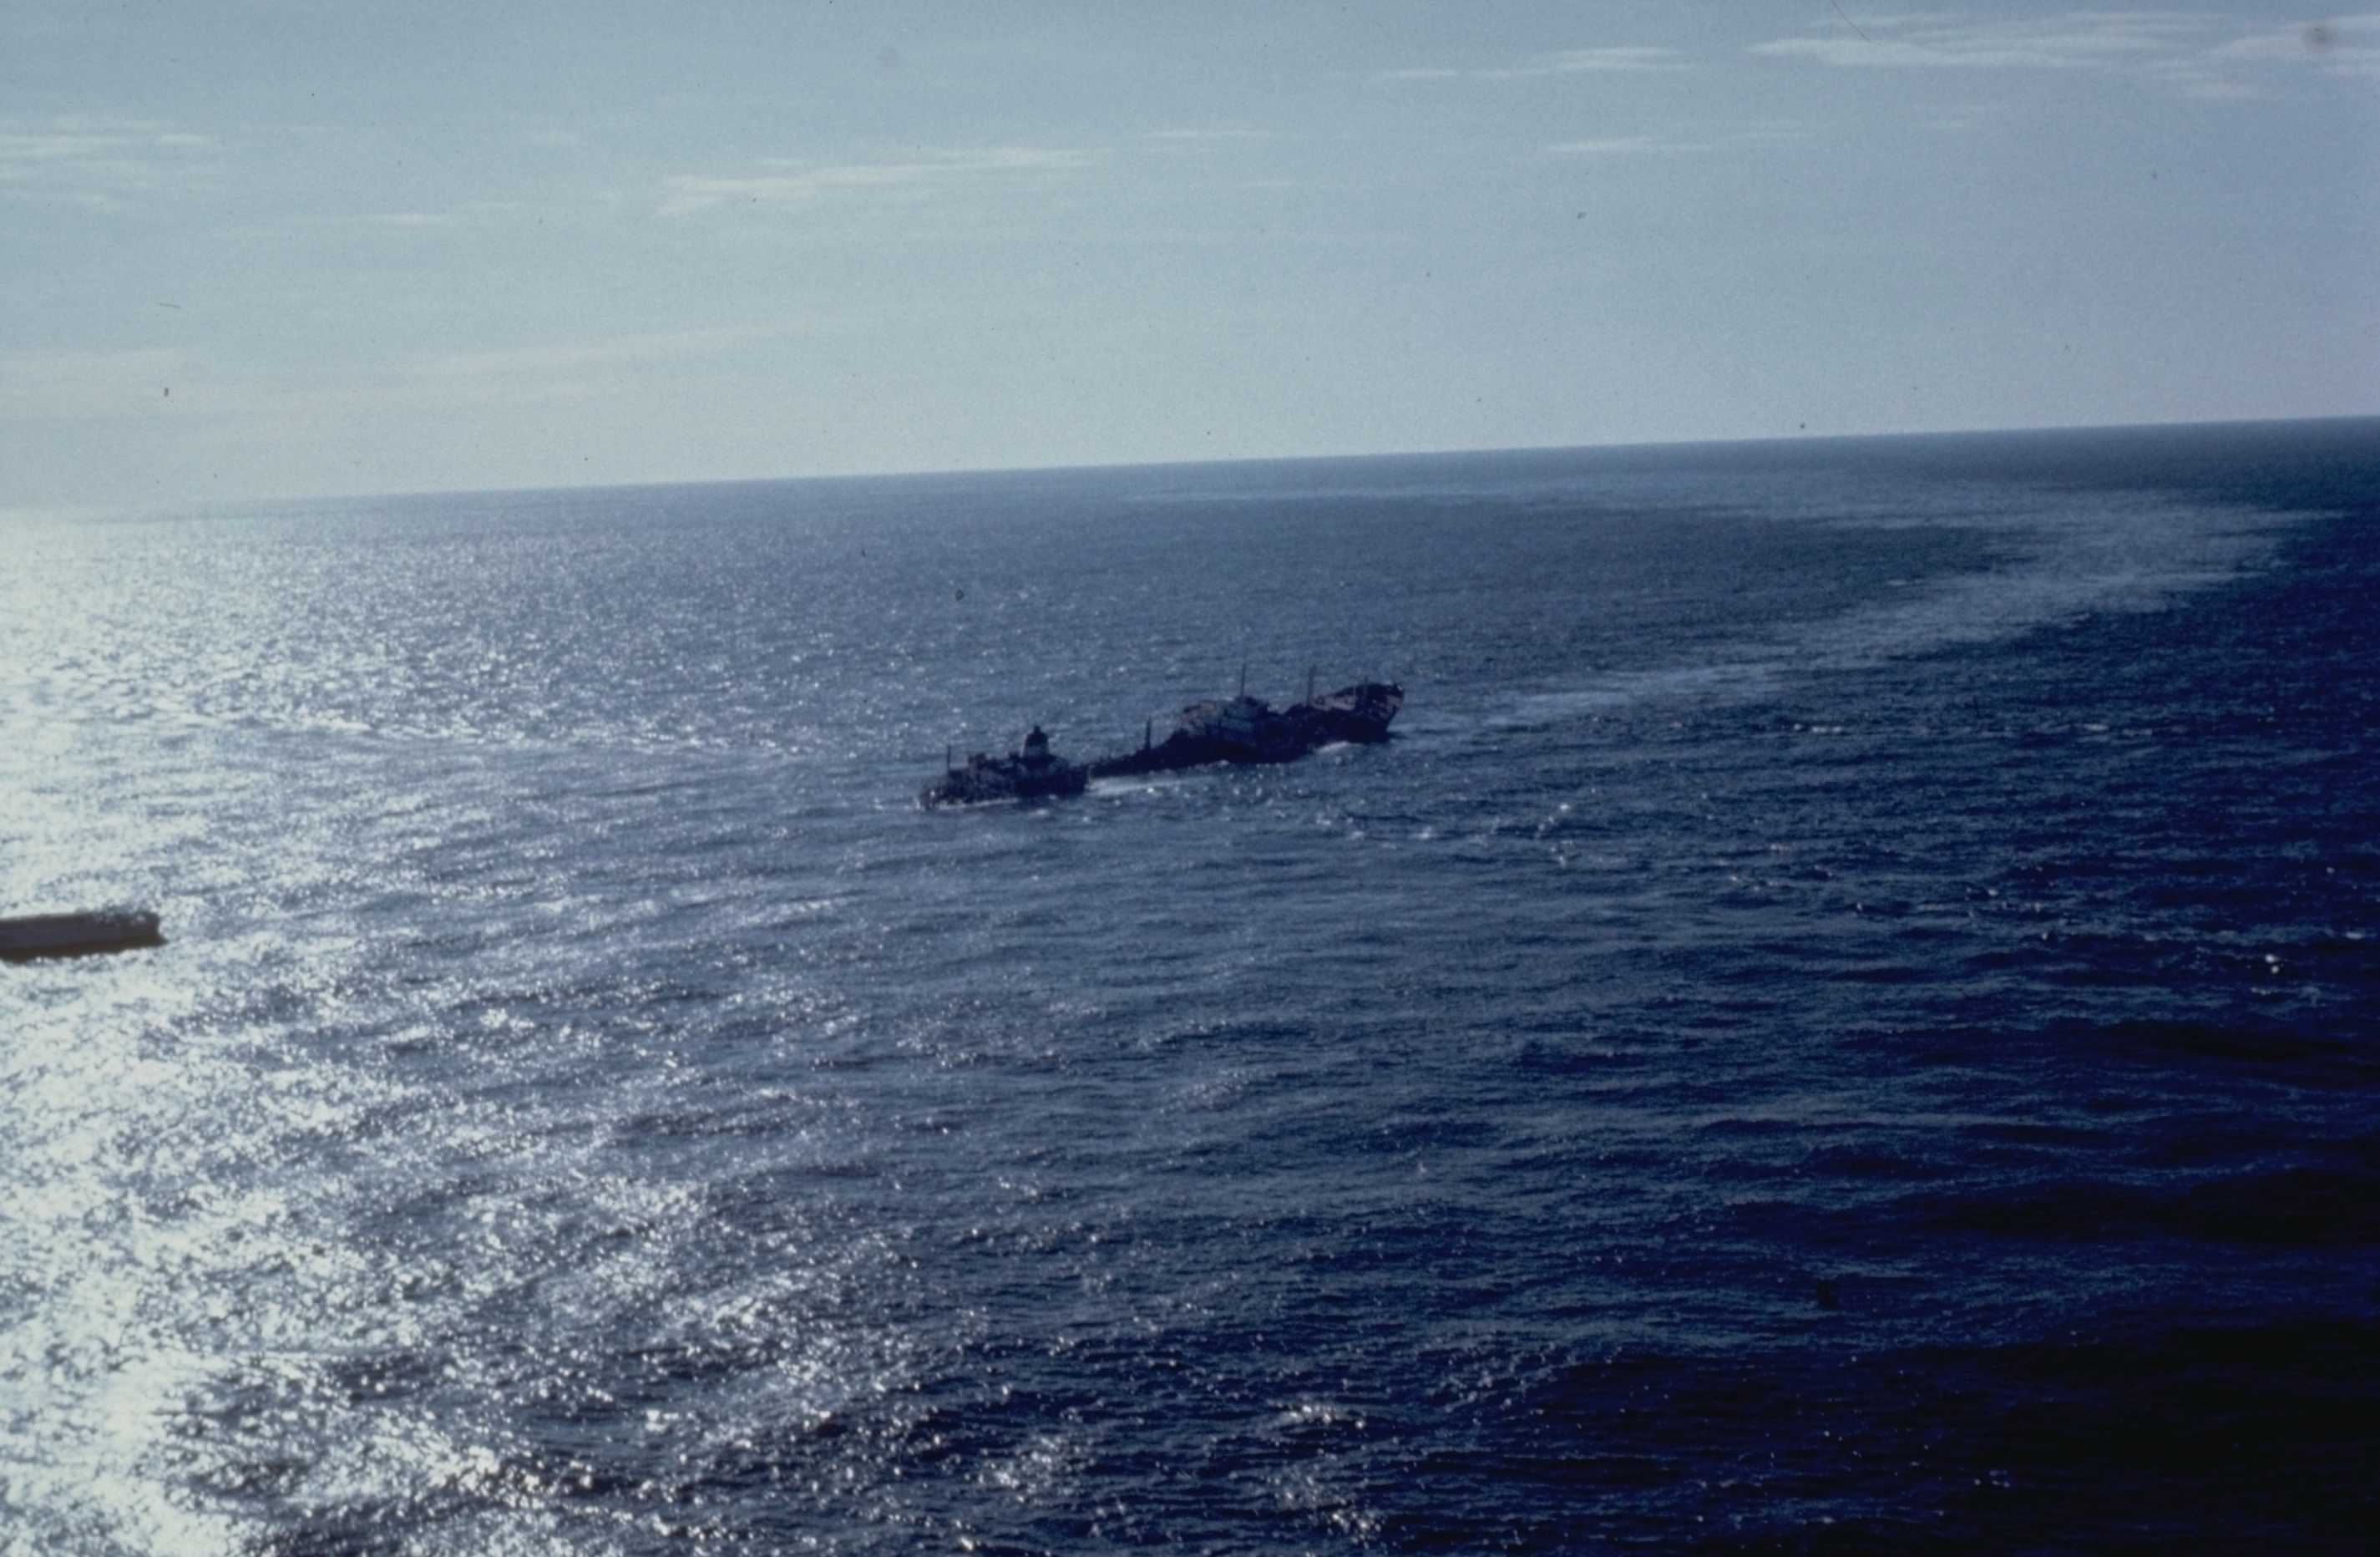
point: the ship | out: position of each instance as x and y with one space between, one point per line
1245 729
76 935
1033 774
1239 729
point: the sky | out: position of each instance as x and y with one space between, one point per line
285 249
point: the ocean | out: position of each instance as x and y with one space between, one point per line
1845 1019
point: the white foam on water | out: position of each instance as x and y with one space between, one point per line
2067 556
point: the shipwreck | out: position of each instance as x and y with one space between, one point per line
1241 729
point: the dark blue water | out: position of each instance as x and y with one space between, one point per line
1842 1022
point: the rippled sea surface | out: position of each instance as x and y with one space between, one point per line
1847 1018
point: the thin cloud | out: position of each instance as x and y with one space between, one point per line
2339 46
575 370
571 357
40 385
1773 133
1628 58
1625 146
95 162
469 212
782 183
1571 61
49 386
2092 41
2180 50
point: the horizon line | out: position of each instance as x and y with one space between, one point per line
206 507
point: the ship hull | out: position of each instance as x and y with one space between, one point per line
1247 731
984 780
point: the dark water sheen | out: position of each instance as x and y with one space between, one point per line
1843 1022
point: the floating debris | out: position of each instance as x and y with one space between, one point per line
77 936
